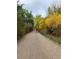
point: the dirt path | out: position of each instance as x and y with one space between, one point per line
36 46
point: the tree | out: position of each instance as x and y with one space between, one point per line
50 11
42 24
25 21
20 21
37 20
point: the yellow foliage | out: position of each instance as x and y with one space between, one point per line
53 20
42 24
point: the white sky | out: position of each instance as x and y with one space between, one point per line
38 7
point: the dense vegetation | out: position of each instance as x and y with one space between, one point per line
49 26
25 21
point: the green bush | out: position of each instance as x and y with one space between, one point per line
25 21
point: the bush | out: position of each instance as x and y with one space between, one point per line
25 21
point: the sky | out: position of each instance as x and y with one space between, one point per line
38 7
